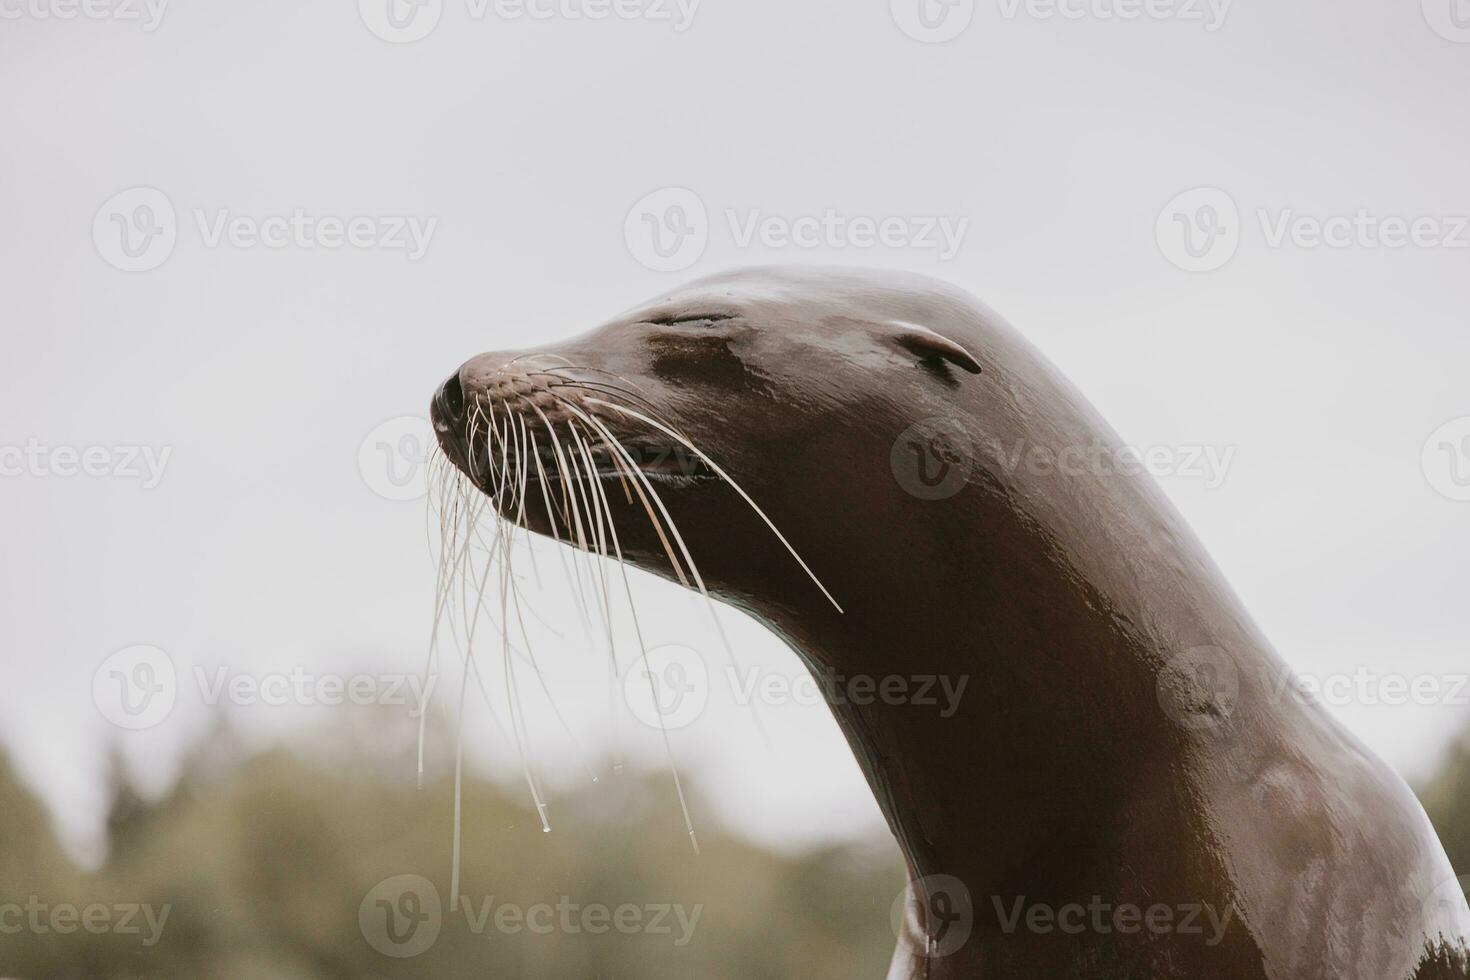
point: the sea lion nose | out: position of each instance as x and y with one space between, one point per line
485 371
449 404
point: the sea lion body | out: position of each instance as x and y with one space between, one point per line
1089 776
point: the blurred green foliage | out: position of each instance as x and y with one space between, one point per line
1447 798
265 863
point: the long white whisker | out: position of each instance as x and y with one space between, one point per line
731 481
642 645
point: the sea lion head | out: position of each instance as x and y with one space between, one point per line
759 409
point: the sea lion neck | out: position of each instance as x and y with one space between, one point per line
1006 698
999 697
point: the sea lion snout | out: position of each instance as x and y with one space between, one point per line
447 407
481 380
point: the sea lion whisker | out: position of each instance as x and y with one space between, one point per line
658 501
571 491
632 469
612 441
502 547
639 476
507 585
604 388
589 369
469 657
588 547
619 454
597 519
453 554
551 518
600 388
571 497
643 649
622 454
525 477
734 486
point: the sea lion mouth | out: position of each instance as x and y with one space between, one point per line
549 429
665 462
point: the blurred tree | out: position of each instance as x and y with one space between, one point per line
1447 798
270 865
265 865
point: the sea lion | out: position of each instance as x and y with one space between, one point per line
1130 786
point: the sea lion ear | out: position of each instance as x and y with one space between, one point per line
930 345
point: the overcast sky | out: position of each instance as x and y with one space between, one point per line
159 295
